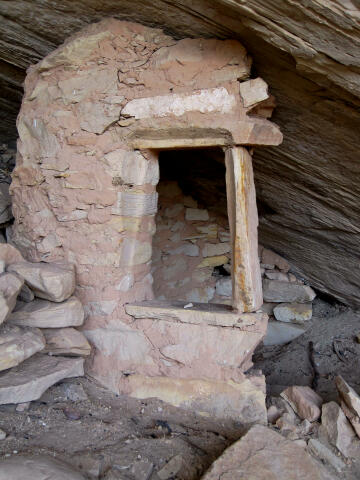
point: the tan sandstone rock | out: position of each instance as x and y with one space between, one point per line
336 430
352 417
66 341
293 312
263 454
51 281
243 402
10 286
17 344
348 395
304 401
350 403
45 314
21 467
277 291
253 91
28 381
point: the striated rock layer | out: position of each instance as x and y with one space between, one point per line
308 186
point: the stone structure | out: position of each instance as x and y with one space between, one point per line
94 116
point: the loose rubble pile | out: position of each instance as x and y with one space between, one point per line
286 449
38 313
331 429
287 300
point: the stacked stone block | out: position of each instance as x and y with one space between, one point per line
38 313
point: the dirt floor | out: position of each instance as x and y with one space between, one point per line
328 348
113 437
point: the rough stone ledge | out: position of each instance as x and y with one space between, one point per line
242 401
200 313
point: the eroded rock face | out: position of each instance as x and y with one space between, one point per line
312 67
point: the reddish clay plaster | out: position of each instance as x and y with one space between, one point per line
84 191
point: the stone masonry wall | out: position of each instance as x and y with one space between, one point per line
83 189
190 248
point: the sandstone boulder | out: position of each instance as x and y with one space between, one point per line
336 429
51 281
305 402
277 291
66 341
264 454
21 467
293 312
28 381
45 314
17 344
10 286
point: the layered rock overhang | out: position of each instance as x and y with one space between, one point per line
308 187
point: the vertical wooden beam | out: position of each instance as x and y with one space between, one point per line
243 220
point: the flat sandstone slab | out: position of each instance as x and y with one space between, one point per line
45 314
28 381
243 401
51 281
198 314
278 291
66 341
263 454
17 344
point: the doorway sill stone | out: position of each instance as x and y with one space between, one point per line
199 314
